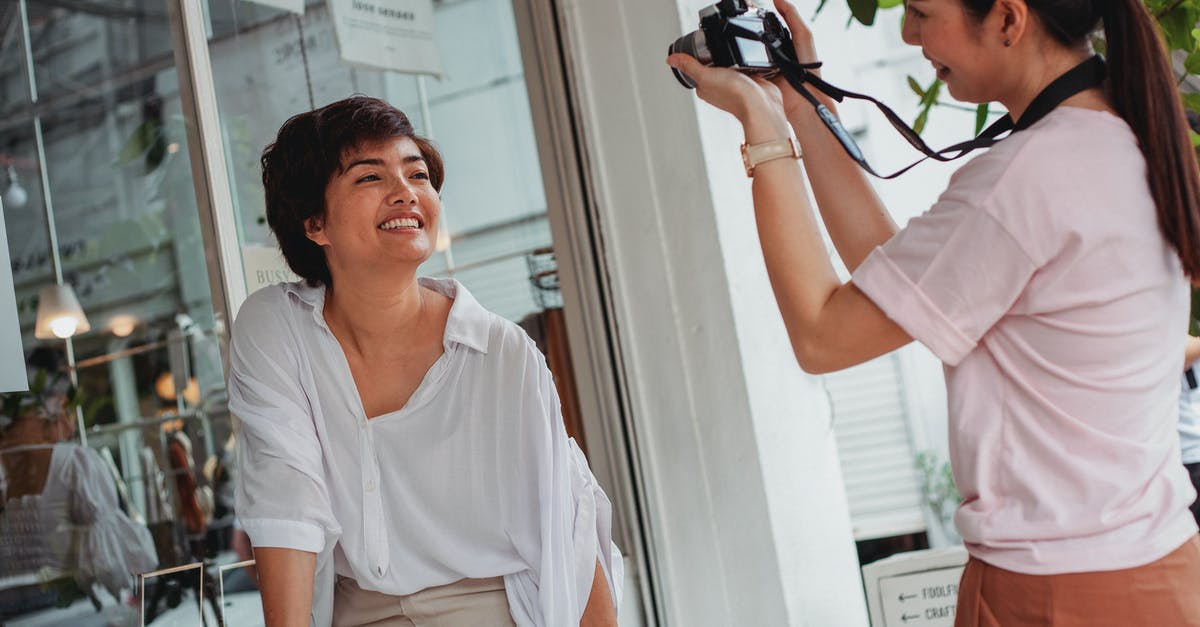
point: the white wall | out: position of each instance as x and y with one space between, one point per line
748 518
747 512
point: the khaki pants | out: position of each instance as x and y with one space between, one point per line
1164 593
464 603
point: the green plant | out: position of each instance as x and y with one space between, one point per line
937 486
1177 20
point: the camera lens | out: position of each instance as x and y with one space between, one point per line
695 45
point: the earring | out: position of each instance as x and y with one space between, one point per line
1007 43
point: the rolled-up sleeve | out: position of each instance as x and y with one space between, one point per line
282 497
947 277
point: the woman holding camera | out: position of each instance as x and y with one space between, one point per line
1051 278
399 445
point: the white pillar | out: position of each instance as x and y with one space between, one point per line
748 516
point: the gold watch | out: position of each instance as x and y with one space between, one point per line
754 154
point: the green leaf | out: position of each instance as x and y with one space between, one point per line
931 93
890 4
981 115
1192 62
1192 102
1195 320
1177 26
919 124
1195 138
864 10
916 87
820 5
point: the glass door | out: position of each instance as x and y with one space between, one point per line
101 219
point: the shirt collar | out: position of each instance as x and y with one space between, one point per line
469 323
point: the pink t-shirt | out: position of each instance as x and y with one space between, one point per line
1042 280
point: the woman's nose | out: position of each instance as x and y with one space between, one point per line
909 31
403 193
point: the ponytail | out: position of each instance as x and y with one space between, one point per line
1142 87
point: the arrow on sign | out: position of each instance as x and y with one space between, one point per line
906 617
905 597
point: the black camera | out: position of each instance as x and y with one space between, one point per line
733 35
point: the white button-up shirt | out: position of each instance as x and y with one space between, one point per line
474 477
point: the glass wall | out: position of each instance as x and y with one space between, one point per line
118 500
127 479
270 64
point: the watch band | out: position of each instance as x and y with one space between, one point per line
756 154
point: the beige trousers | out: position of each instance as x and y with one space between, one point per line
464 603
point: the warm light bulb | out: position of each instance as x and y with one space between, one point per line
123 325
63 326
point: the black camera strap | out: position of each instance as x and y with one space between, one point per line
1090 73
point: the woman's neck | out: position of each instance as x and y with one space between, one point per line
368 313
1039 75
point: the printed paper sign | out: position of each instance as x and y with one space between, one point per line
12 355
295 6
264 265
392 35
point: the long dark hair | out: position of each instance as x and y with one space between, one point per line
1142 89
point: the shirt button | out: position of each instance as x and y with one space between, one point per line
371 485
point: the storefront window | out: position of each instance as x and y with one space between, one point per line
129 480
270 64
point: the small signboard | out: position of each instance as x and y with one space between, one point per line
925 599
12 356
917 589
395 35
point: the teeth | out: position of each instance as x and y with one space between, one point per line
400 223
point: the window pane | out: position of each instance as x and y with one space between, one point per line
114 487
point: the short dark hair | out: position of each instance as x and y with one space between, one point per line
306 154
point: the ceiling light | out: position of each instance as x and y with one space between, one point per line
59 314
122 325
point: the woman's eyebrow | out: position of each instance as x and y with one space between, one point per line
375 161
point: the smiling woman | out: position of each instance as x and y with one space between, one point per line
1051 278
392 420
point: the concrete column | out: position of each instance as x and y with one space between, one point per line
748 517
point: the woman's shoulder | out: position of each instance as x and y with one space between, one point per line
266 308
1067 147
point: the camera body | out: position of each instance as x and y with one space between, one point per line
723 39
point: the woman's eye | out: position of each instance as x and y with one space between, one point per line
420 175
913 12
367 178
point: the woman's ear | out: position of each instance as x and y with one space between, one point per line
314 229
1013 21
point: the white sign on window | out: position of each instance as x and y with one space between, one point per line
12 356
387 34
264 265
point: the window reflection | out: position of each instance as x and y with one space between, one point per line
130 479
